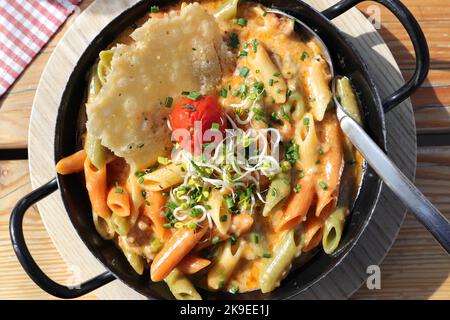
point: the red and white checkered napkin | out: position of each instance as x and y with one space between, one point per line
25 27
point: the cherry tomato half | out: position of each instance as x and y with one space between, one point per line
196 118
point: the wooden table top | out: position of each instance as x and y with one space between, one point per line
415 268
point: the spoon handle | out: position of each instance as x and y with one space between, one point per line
411 197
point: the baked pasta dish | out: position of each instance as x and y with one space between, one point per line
212 154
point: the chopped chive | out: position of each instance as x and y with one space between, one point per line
304 56
256 238
193 49
276 74
244 72
267 255
223 92
323 185
215 126
144 194
147 203
194 96
301 174
255 44
270 82
223 218
317 161
165 193
140 145
352 162
297 188
243 53
264 14
167 225
154 9
278 91
141 180
234 289
321 152
242 22
215 240
306 121
168 102
118 190
221 284
286 181
185 93
139 174
236 93
234 40
233 239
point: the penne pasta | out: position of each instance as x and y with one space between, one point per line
227 10
224 265
348 99
332 230
71 164
192 264
264 70
279 189
104 226
120 224
96 187
313 233
332 165
163 178
218 211
154 210
275 268
174 250
181 287
297 205
104 65
95 151
309 145
118 201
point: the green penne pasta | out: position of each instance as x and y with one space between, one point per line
95 151
120 224
276 267
103 226
135 260
348 99
181 287
332 230
279 189
227 10
104 65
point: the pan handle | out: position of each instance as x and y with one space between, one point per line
415 34
27 261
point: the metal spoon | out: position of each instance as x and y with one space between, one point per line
400 185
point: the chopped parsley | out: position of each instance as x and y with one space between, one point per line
323 185
304 56
194 95
215 240
244 72
234 40
168 102
242 22
223 93
292 153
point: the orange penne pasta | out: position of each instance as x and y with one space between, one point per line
71 164
118 201
153 210
332 165
241 223
96 187
313 233
178 246
192 264
297 205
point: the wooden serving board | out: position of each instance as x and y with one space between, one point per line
381 230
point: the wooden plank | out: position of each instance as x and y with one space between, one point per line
417 267
14 282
